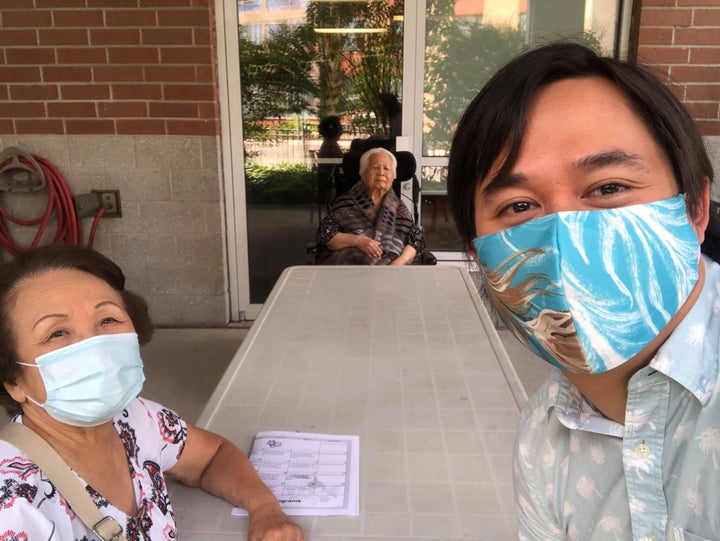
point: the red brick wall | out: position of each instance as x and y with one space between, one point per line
149 66
681 38
108 67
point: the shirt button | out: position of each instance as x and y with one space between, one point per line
642 450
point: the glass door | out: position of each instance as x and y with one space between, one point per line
303 62
384 69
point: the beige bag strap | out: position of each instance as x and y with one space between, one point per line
63 478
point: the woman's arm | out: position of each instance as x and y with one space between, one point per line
368 246
413 235
406 257
214 464
330 236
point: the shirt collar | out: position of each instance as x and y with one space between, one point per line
689 356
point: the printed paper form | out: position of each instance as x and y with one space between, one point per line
310 474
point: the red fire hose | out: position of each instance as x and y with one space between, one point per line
60 207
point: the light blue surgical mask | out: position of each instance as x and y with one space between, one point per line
587 290
89 382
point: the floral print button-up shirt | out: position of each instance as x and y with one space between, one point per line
580 476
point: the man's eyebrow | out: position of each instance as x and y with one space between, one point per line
501 182
607 158
590 162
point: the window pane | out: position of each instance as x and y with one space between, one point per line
249 5
300 61
467 41
436 218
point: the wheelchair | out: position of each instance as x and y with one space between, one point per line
406 186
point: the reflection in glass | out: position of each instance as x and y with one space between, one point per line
435 215
249 5
300 61
467 41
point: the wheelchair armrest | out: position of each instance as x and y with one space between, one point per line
311 251
428 258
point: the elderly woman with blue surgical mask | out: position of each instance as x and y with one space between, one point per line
71 372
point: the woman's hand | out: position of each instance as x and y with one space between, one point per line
270 523
220 468
406 257
369 246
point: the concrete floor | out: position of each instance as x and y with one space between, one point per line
183 366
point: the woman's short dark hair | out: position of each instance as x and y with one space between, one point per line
36 261
330 127
493 125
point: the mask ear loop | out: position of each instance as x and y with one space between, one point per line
38 404
30 398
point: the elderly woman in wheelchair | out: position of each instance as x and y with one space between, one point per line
369 225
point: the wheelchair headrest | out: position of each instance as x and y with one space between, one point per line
406 165
363 145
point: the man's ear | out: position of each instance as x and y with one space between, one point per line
702 218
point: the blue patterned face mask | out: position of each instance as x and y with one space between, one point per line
89 382
587 290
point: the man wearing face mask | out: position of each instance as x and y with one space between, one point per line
581 186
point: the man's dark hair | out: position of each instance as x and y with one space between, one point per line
37 261
494 123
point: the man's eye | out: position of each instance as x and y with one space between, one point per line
609 189
516 208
